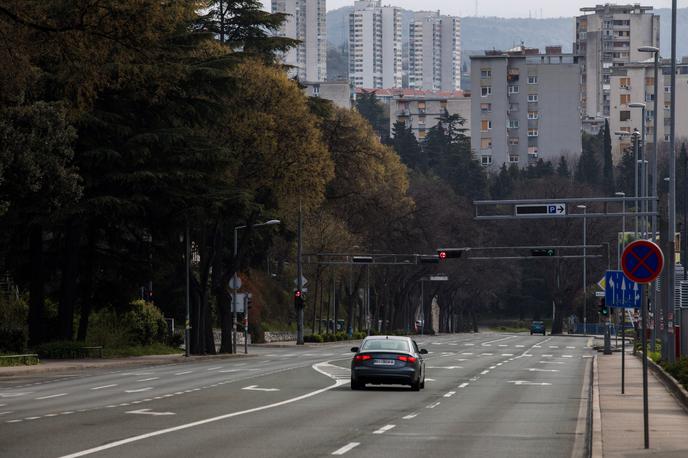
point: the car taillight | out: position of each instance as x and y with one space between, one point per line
362 357
408 359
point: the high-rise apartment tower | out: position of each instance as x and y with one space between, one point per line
435 52
375 45
306 22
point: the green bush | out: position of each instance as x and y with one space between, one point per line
679 370
176 340
13 340
145 322
341 336
23 361
313 338
359 335
61 350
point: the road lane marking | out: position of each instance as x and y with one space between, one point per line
469 344
546 356
445 367
103 387
430 380
52 396
346 448
183 373
12 395
256 388
14 421
50 415
32 418
149 412
5 413
520 346
571 348
433 405
68 412
384 429
486 354
493 367
502 345
485 372
463 385
567 356
215 368
148 379
487 344
450 394
507 354
410 416
466 354
141 437
586 356
527 383
140 390
551 362
543 370
554 346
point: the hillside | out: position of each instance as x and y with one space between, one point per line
479 33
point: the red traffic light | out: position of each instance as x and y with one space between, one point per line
442 255
297 293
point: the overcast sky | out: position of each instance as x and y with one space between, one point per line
503 8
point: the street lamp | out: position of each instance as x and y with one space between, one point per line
623 229
585 296
655 51
271 222
641 149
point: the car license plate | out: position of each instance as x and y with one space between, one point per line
384 362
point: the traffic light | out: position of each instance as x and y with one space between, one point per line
299 301
604 310
447 253
543 252
362 259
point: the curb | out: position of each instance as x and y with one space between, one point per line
595 450
70 365
669 382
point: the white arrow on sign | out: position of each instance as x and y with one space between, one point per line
255 388
149 412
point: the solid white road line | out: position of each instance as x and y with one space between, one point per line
551 362
141 437
543 370
148 379
410 416
384 429
140 390
149 412
183 373
52 396
346 448
104 386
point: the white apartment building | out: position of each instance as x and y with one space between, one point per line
608 36
375 45
306 22
635 83
435 52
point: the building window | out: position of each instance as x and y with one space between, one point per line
532 152
485 91
486 160
625 83
513 124
532 80
421 120
532 97
624 116
485 143
625 99
316 90
513 89
486 107
513 141
532 132
421 134
533 115
513 158
667 106
667 89
485 73
485 125
650 82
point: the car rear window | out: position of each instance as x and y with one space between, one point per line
392 345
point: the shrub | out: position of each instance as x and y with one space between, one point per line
341 336
359 335
13 340
145 322
313 338
61 350
176 340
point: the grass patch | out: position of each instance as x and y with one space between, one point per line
153 349
22 361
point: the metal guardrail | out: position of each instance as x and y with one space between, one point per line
24 358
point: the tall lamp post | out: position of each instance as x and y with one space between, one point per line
272 222
585 295
640 157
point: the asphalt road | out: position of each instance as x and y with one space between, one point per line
487 395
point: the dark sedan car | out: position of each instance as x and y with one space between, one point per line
537 327
388 360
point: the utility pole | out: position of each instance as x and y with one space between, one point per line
187 261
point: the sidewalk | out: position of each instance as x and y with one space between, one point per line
622 415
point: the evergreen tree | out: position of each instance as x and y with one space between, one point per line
563 168
371 109
502 185
588 170
608 170
405 144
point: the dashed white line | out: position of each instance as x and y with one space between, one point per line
486 354
103 387
463 385
485 372
384 429
13 421
183 373
450 394
140 390
32 418
502 345
433 405
148 379
214 368
551 362
520 346
546 356
571 348
52 396
567 356
346 448
507 354
469 345
5 413
410 416
554 346
466 354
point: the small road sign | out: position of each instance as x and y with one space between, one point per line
642 261
548 209
620 292
600 294
235 282
304 281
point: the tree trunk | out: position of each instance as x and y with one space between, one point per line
36 287
222 301
68 289
87 277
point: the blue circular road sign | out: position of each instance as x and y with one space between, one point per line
642 261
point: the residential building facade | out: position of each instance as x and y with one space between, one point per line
338 92
306 22
422 110
375 45
607 37
435 52
525 106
